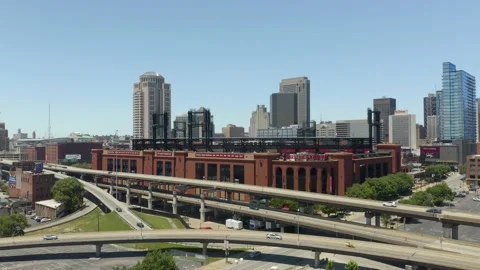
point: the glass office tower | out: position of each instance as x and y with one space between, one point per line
457 104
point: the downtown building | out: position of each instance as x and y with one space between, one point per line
260 120
386 107
151 95
402 129
429 108
458 120
300 87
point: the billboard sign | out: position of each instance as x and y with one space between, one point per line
430 152
12 181
73 156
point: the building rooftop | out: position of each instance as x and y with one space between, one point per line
49 203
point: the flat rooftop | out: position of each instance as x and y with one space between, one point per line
49 203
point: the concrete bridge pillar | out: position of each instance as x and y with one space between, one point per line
165 204
215 213
282 228
111 188
205 252
150 197
127 199
202 208
139 199
368 218
377 220
174 203
98 250
316 259
95 179
450 230
82 177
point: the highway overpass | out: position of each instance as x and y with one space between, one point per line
110 202
448 217
325 224
433 259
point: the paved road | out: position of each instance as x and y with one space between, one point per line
110 202
341 201
284 259
466 204
66 258
35 226
426 257
80 258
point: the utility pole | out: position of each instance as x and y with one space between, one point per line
116 168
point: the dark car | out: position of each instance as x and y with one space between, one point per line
435 210
140 225
119 209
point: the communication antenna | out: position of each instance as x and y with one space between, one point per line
49 127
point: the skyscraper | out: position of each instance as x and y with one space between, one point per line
283 109
150 95
403 129
300 86
478 119
429 108
458 104
260 120
387 107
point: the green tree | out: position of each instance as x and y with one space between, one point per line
352 266
4 187
279 203
385 218
385 188
462 169
441 192
330 265
10 223
437 172
68 191
328 210
157 260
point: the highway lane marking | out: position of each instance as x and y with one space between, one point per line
284 262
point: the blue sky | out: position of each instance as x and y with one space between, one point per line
83 57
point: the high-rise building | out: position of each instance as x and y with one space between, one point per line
150 95
4 140
352 128
403 129
429 108
198 131
300 86
478 119
458 104
260 120
433 128
387 107
283 109
232 131
327 129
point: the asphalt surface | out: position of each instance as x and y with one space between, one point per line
425 257
466 204
284 259
82 258
344 202
332 225
110 202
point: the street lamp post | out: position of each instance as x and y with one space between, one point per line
116 174
298 225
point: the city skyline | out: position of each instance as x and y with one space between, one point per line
204 58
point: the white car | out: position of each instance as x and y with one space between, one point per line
274 236
50 237
477 199
390 204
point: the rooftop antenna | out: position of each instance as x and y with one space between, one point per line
49 127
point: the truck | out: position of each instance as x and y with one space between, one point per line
234 224
256 224
237 224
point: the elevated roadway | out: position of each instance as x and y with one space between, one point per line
416 240
457 218
419 257
110 202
